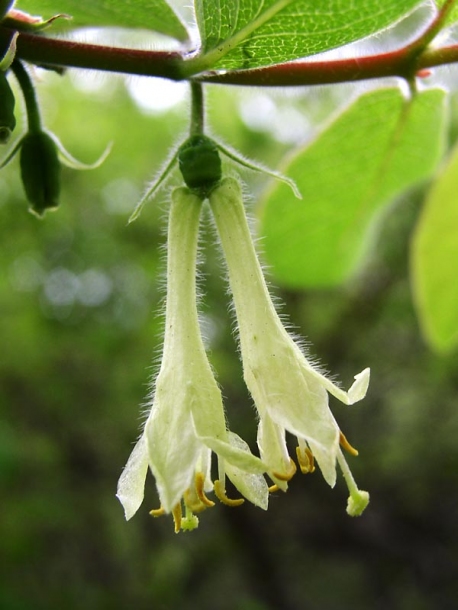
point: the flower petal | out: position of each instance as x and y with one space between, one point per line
273 449
206 403
252 486
131 484
296 401
173 446
240 458
357 391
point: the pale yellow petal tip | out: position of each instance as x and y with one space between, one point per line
357 503
359 388
130 507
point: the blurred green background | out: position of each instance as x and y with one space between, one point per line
81 295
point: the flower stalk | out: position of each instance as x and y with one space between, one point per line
30 97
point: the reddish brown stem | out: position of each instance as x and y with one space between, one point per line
404 63
42 50
295 74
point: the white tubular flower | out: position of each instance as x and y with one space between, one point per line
186 422
289 393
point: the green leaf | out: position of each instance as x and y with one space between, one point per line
252 33
374 150
148 14
434 261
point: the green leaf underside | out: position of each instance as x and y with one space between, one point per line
274 31
434 261
147 14
374 150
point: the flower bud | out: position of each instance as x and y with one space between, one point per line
7 118
40 172
200 164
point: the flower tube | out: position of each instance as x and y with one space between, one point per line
290 394
186 422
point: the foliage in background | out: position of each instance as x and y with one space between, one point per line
369 154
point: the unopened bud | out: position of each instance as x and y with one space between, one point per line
40 172
200 163
7 118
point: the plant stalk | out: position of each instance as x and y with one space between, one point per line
30 97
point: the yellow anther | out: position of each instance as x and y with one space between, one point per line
157 512
193 502
346 445
177 514
200 482
220 493
305 459
286 476
273 489
195 498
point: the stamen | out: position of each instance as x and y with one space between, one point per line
220 493
194 497
200 482
273 489
305 459
346 445
157 512
289 475
177 514
193 502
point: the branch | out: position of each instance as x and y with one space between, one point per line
405 63
41 50
299 73
431 58
399 63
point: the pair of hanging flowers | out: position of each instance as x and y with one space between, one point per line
186 424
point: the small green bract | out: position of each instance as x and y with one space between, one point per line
200 164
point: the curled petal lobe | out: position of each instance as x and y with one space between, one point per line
131 485
246 475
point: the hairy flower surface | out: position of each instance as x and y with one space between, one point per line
186 422
289 393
